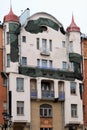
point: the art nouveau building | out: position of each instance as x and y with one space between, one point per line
44 68
84 52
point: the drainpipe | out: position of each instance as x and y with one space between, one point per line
63 117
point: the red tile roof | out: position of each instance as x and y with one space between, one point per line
11 16
73 26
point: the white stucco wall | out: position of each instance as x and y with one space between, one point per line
20 96
73 99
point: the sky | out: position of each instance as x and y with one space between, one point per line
62 10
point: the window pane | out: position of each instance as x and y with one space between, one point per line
73 87
46 110
71 65
8 60
44 63
44 45
24 61
50 45
50 63
23 38
64 65
20 107
20 84
8 38
37 43
73 110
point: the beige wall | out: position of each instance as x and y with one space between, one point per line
35 114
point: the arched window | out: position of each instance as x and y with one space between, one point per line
45 110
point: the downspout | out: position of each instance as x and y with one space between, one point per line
63 117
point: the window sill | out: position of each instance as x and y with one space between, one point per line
20 90
20 114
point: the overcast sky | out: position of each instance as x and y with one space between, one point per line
60 9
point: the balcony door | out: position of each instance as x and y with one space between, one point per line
44 45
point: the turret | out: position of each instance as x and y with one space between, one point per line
11 16
73 26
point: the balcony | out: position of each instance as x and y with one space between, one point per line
45 52
47 94
61 96
33 94
49 73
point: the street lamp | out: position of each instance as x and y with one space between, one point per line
7 120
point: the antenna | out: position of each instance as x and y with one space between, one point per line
10 2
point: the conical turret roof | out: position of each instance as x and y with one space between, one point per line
11 16
73 26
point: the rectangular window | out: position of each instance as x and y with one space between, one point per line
38 43
73 110
20 84
50 63
63 44
71 46
38 62
20 107
44 63
44 45
72 66
4 82
73 87
8 38
24 60
50 45
8 60
64 65
23 38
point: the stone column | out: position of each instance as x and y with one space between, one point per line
39 88
56 88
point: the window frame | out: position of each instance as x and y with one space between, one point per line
64 65
38 43
50 45
50 63
44 45
24 60
74 110
8 38
8 60
20 84
24 39
20 108
44 63
45 110
73 88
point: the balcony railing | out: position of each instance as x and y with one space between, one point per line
61 96
48 94
47 72
45 52
33 94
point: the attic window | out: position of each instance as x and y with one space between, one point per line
44 28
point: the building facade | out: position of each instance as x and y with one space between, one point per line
3 89
84 52
43 63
